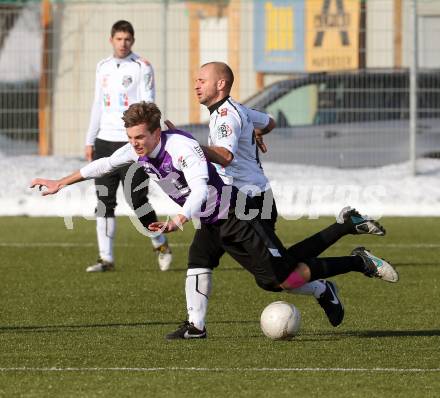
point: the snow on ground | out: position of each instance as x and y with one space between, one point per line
300 191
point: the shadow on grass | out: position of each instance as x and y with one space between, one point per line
304 336
334 336
418 264
378 333
237 268
58 328
218 269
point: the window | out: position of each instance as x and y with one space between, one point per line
296 108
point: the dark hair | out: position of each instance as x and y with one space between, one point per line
224 71
143 113
122 26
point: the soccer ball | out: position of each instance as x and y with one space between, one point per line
280 321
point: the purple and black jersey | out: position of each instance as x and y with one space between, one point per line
170 175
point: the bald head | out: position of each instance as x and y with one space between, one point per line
213 83
221 71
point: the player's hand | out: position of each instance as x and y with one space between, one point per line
169 225
259 140
89 153
170 125
53 186
160 226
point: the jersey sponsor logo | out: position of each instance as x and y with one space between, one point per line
148 81
170 183
199 152
182 162
104 81
224 112
152 172
127 80
145 61
223 131
123 100
106 99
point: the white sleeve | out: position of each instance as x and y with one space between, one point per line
124 156
226 133
95 114
260 120
196 198
189 158
146 84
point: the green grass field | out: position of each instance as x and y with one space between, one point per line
64 332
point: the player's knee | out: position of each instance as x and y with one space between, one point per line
105 207
104 211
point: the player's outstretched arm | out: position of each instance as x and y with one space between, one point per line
53 186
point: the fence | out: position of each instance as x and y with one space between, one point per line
333 73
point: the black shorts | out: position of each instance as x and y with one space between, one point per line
266 206
212 248
253 244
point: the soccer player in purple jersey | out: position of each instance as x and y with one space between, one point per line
178 163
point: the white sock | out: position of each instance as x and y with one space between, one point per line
314 288
105 229
158 241
197 290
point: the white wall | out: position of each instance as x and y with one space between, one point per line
380 31
81 35
429 32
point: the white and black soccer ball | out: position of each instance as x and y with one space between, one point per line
280 320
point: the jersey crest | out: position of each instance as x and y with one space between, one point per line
223 131
127 80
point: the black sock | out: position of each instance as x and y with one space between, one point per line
322 268
318 243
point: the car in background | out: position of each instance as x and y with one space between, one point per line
347 119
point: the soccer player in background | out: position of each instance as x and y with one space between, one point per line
235 132
182 172
121 79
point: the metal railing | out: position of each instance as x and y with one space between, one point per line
339 76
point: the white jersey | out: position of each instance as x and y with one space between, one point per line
231 126
119 83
